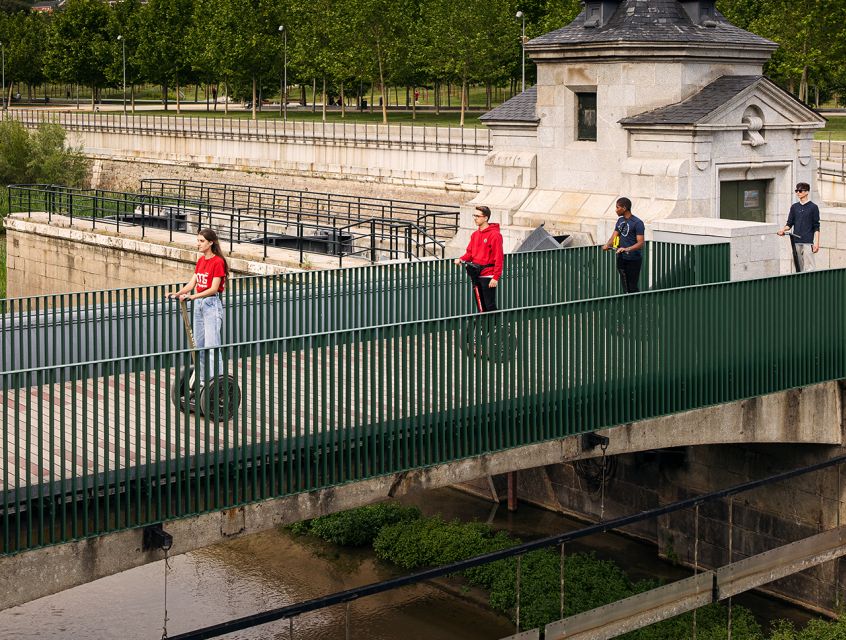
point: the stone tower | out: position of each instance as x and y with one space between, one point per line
663 101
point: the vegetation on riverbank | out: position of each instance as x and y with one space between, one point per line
400 535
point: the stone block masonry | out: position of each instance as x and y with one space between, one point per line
762 519
59 257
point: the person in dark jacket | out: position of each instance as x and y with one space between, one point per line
485 257
804 219
627 242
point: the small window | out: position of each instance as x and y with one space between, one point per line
586 115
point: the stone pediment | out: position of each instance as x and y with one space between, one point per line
728 103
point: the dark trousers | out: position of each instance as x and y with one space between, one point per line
629 270
484 294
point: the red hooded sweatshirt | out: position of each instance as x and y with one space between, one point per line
486 248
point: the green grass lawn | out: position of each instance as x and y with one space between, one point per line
299 114
835 129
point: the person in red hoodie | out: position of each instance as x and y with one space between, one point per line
484 255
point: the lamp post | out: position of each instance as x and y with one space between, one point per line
283 90
123 46
522 16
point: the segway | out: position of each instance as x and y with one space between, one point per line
478 338
789 233
219 398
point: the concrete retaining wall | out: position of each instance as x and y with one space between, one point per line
44 258
762 519
413 167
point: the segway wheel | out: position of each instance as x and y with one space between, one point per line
220 398
181 392
501 343
470 342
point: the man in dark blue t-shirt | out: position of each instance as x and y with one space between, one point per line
630 231
804 219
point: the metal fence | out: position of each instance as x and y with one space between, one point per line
373 238
438 220
831 158
438 138
96 447
62 329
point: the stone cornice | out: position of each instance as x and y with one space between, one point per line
654 51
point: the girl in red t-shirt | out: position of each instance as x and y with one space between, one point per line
207 283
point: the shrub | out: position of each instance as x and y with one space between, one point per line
39 156
432 542
356 527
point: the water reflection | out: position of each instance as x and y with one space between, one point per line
248 576
271 569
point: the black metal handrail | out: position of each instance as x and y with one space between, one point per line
434 218
376 238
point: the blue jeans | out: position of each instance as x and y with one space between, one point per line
208 321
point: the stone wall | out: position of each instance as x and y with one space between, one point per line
418 167
762 519
126 175
59 257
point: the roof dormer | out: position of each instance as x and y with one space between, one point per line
599 12
701 12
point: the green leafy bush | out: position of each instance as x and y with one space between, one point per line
356 527
431 542
816 630
41 155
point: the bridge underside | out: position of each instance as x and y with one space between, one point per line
810 415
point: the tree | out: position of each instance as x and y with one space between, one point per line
471 40
811 35
241 40
384 26
40 156
163 49
78 48
125 21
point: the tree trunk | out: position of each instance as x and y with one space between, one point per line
371 97
93 96
413 104
437 98
303 100
314 95
226 102
132 96
197 93
343 102
254 97
323 110
164 95
449 95
463 98
178 101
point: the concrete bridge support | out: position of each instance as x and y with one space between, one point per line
762 519
810 417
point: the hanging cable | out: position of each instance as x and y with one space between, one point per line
164 622
695 556
604 478
730 554
561 579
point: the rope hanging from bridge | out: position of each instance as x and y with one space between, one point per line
164 622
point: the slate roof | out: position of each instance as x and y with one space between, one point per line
650 21
697 106
520 108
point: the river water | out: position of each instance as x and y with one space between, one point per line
272 569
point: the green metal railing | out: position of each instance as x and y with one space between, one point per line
96 447
99 325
